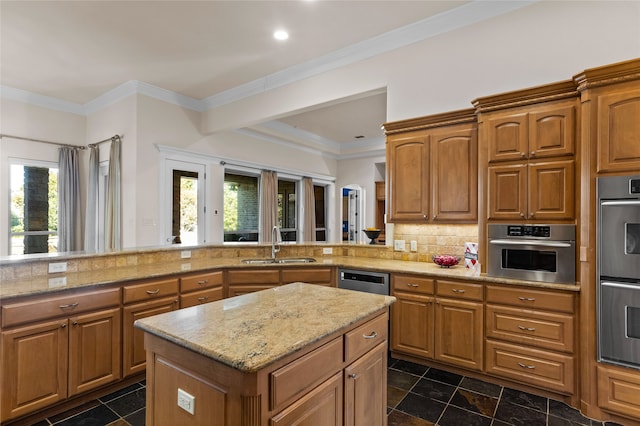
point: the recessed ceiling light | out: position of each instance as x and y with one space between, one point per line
280 35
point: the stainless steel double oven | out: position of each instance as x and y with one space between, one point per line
618 236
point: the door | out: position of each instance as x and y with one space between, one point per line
184 203
412 324
619 337
459 333
365 389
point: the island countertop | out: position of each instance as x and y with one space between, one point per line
251 331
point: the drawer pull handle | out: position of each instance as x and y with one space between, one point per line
202 282
352 376
527 299
529 367
373 335
202 299
153 292
413 285
69 306
455 290
522 327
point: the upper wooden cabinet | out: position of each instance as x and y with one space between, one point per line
529 142
540 131
611 98
432 169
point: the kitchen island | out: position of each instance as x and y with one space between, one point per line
298 352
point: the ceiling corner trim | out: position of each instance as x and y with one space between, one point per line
43 101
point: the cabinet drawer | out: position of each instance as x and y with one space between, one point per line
300 376
547 370
245 276
200 281
307 275
529 298
619 390
149 290
460 290
199 297
535 328
64 304
413 284
365 337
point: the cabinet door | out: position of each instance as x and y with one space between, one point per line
459 333
619 131
507 192
365 389
94 350
508 135
552 130
412 324
133 353
322 406
454 174
408 177
551 190
34 367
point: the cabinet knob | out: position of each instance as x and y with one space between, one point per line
352 376
533 153
523 155
521 214
531 214
75 322
63 325
424 216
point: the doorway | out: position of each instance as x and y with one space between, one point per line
184 203
352 213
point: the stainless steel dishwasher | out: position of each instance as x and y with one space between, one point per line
369 282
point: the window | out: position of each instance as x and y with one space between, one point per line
288 210
319 194
241 207
34 208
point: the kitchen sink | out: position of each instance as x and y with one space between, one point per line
281 260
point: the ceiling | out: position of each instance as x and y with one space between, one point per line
76 51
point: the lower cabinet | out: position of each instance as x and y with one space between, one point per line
365 384
143 300
619 390
243 281
412 316
47 361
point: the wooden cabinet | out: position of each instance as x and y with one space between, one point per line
534 191
619 390
412 316
197 289
243 281
529 160
311 275
143 300
432 169
537 131
459 324
56 347
408 177
618 134
530 336
365 401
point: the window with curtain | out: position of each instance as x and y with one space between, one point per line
320 195
33 208
288 209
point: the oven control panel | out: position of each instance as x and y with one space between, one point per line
529 231
634 186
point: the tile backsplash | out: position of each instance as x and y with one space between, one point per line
433 239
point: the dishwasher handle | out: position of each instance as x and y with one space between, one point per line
354 276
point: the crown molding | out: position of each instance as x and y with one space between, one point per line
43 101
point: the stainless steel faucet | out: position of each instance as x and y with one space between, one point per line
275 237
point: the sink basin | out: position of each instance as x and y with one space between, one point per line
258 261
281 260
295 260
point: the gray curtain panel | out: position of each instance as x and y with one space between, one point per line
113 231
91 224
309 230
268 204
69 215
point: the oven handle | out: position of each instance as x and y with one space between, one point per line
531 243
620 285
621 203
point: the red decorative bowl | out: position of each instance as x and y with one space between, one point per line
445 260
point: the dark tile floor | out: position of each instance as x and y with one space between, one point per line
417 396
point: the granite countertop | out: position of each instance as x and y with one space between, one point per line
251 331
58 282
